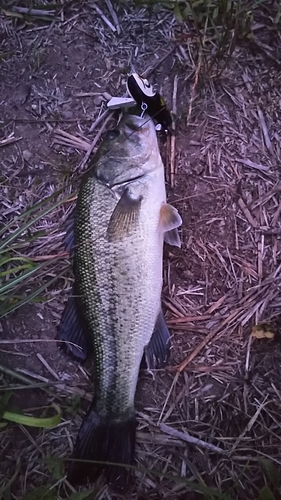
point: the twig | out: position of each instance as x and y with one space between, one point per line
14 374
196 351
188 319
216 305
176 377
276 391
276 216
266 197
194 86
103 17
92 145
247 213
66 139
87 94
113 15
100 119
148 72
251 164
50 120
47 366
264 130
40 258
267 50
33 12
71 144
191 440
183 53
9 140
260 256
32 341
33 375
15 354
173 137
272 231
157 438
246 377
248 426
54 385
72 137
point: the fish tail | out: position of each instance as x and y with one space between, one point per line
102 439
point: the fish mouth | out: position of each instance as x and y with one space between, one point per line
124 182
134 123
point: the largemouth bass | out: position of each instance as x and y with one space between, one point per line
121 221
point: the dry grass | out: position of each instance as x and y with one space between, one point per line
206 422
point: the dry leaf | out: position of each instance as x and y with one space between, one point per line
262 331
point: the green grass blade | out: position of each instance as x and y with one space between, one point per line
31 210
20 278
42 423
7 259
33 295
28 224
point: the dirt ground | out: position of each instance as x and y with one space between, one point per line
223 385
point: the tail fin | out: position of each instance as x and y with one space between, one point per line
104 440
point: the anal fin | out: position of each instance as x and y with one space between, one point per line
172 238
71 331
169 221
157 352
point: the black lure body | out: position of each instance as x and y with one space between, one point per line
149 100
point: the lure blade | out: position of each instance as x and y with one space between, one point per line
121 102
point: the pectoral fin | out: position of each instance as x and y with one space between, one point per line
169 221
124 217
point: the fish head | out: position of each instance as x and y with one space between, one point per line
128 152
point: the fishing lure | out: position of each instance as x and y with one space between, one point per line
149 100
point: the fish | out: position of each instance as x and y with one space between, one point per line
116 237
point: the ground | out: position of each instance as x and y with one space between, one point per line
223 384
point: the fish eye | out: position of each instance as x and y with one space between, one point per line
112 134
